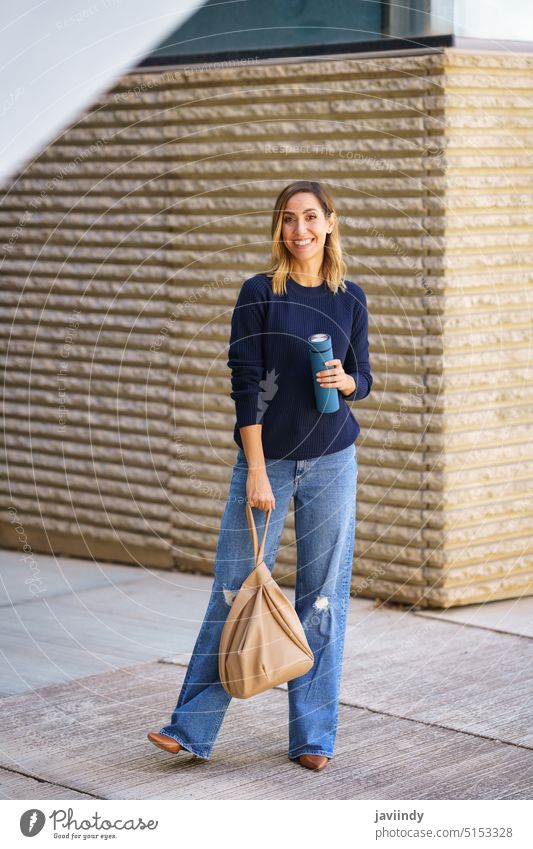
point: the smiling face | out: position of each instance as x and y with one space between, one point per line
305 227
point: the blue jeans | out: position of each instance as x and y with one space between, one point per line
324 490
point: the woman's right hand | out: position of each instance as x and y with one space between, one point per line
258 490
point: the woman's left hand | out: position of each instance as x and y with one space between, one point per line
336 378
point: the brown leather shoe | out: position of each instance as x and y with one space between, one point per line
313 761
164 742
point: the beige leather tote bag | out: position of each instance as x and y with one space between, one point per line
263 643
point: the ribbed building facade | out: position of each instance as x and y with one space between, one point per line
124 247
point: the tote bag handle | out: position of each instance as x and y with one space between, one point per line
259 550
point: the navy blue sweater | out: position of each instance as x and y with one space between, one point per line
271 377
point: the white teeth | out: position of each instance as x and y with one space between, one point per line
305 242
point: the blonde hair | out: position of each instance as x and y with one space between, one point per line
333 269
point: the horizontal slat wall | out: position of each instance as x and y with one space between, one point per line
163 213
371 130
484 548
86 400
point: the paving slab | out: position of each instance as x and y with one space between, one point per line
512 616
86 630
52 576
14 785
90 735
434 704
443 673
473 680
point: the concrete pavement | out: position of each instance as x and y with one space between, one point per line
434 704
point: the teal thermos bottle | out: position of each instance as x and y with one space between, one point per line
320 351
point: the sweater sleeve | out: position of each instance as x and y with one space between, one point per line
245 355
357 360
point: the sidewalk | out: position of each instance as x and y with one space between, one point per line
434 704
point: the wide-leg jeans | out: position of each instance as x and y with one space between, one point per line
324 490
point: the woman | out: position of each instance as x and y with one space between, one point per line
287 448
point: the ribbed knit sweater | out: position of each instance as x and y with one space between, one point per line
271 378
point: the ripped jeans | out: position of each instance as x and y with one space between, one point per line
324 490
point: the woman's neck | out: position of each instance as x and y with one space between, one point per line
306 277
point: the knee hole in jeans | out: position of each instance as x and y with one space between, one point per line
229 594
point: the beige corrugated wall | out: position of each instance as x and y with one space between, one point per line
125 245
